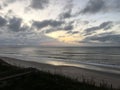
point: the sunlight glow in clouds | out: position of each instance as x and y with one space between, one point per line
64 37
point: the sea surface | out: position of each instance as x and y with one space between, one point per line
106 59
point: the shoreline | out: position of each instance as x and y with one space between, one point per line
69 71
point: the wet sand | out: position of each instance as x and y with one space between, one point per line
70 71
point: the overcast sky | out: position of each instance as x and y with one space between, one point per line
60 22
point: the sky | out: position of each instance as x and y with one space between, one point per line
60 22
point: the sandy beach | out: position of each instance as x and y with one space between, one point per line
69 71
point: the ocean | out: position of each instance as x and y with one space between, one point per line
106 59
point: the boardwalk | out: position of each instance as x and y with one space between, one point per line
16 75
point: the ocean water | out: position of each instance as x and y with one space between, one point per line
96 58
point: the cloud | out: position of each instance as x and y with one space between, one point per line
114 5
64 27
93 6
39 4
7 2
45 23
65 15
72 32
67 10
69 27
11 1
15 25
35 4
105 25
0 7
3 21
65 19
106 38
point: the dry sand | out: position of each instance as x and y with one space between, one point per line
70 71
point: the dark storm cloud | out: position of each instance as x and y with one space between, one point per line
39 4
69 27
85 22
45 23
0 7
114 6
106 38
15 25
35 4
24 28
7 2
64 26
65 15
104 25
11 1
94 6
10 11
67 10
72 32
0 32
117 4
2 21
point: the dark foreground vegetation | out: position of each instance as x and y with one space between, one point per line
15 78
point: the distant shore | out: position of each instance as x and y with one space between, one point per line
69 71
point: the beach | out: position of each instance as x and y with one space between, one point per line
70 71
